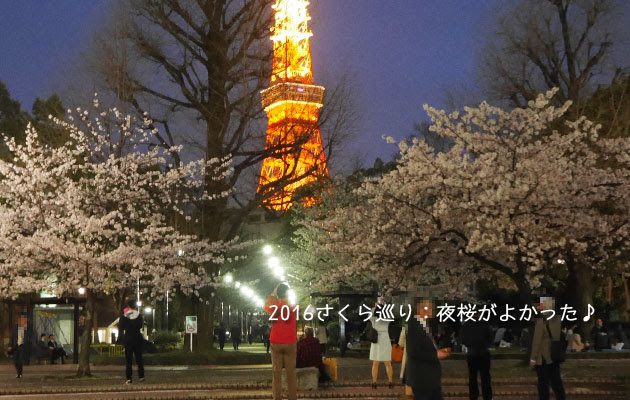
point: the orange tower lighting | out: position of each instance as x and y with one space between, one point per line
292 104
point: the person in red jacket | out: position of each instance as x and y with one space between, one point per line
283 341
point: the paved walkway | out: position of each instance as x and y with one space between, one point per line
584 379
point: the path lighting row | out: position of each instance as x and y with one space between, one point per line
278 271
245 291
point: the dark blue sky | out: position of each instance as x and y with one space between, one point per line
401 53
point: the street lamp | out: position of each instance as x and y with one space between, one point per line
237 284
228 278
273 262
267 249
247 291
147 310
81 291
292 296
278 271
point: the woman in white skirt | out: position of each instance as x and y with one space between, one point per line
381 351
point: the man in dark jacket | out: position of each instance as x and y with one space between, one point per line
423 372
130 328
235 334
57 351
41 349
221 336
17 352
477 337
599 336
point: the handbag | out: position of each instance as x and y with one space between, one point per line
397 353
371 334
330 366
558 347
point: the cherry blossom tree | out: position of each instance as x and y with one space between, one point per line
95 212
520 194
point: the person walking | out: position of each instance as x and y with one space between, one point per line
283 341
547 369
423 371
265 337
57 351
477 337
130 327
235 335
322 336
221 336
381 351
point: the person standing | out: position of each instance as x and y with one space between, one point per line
16 350
283 341
130 327
477 337
57 351
265 337
381 351
322 336
235 335
402 342
547 369
221 336
423 371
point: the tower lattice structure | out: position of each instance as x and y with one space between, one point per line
292 104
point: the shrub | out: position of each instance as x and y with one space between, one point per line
166 340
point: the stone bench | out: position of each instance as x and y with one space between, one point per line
307 379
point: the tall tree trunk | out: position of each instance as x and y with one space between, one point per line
609 290
582 286
522 283
2 326
204 310
86 336
95 327
626 293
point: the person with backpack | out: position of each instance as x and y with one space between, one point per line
548 351
130 327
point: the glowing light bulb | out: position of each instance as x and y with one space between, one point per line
278 271
267 249
292 297
273 262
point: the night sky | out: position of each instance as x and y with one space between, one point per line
401 53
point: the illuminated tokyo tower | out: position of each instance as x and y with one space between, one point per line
292 104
